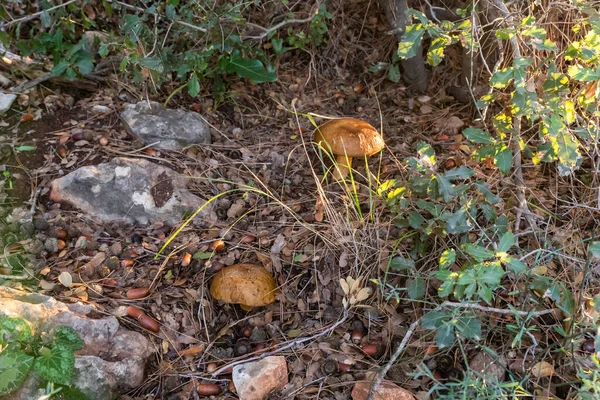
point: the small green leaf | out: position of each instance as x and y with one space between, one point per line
14 329
193 86
462 172
401 264
490 273
594 249
468 327
477 252
14 368
502 78
252 69
582 74
446 188
447 258
57 365
478 136
444 337
202 255
67 336
503 160
153 63
411 41
416 289
394 73
415 219
433 319
506 242
517 266
25 148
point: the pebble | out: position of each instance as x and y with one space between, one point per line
36 246
40 224
255 380
116 249
51 245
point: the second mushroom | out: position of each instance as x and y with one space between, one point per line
347 138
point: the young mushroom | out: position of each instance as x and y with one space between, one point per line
248 285
347 138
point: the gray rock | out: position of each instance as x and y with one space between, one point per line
127 190
51 244
112 360
6 101
165 128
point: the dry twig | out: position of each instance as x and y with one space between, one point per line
289 345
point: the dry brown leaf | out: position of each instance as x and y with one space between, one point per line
542 369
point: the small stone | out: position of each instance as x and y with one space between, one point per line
255 380
26 229
40 224
492 368
169 129
112 263
387 390
258 335
116 249
6 101
51 245
36 247
100 109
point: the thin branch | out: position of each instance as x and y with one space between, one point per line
267 31
514 141
34 15
289 345
446 304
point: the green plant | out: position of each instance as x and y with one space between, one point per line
50 357
191 43
556 92
471 386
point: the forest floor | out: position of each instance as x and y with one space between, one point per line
308 230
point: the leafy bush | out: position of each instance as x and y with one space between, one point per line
188 42
556 92
21 351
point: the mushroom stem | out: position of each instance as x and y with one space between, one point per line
342 167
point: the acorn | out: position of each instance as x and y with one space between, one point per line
247 331
208 389
62 151
588 346
134 312
357 335
329 367
186 259
103 141
242 347
61 244
137 293
372 349
218 245
344 368
147 322
211 367
61 233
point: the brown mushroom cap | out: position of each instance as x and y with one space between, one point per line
349 136
249 285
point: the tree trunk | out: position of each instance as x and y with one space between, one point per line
415 74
